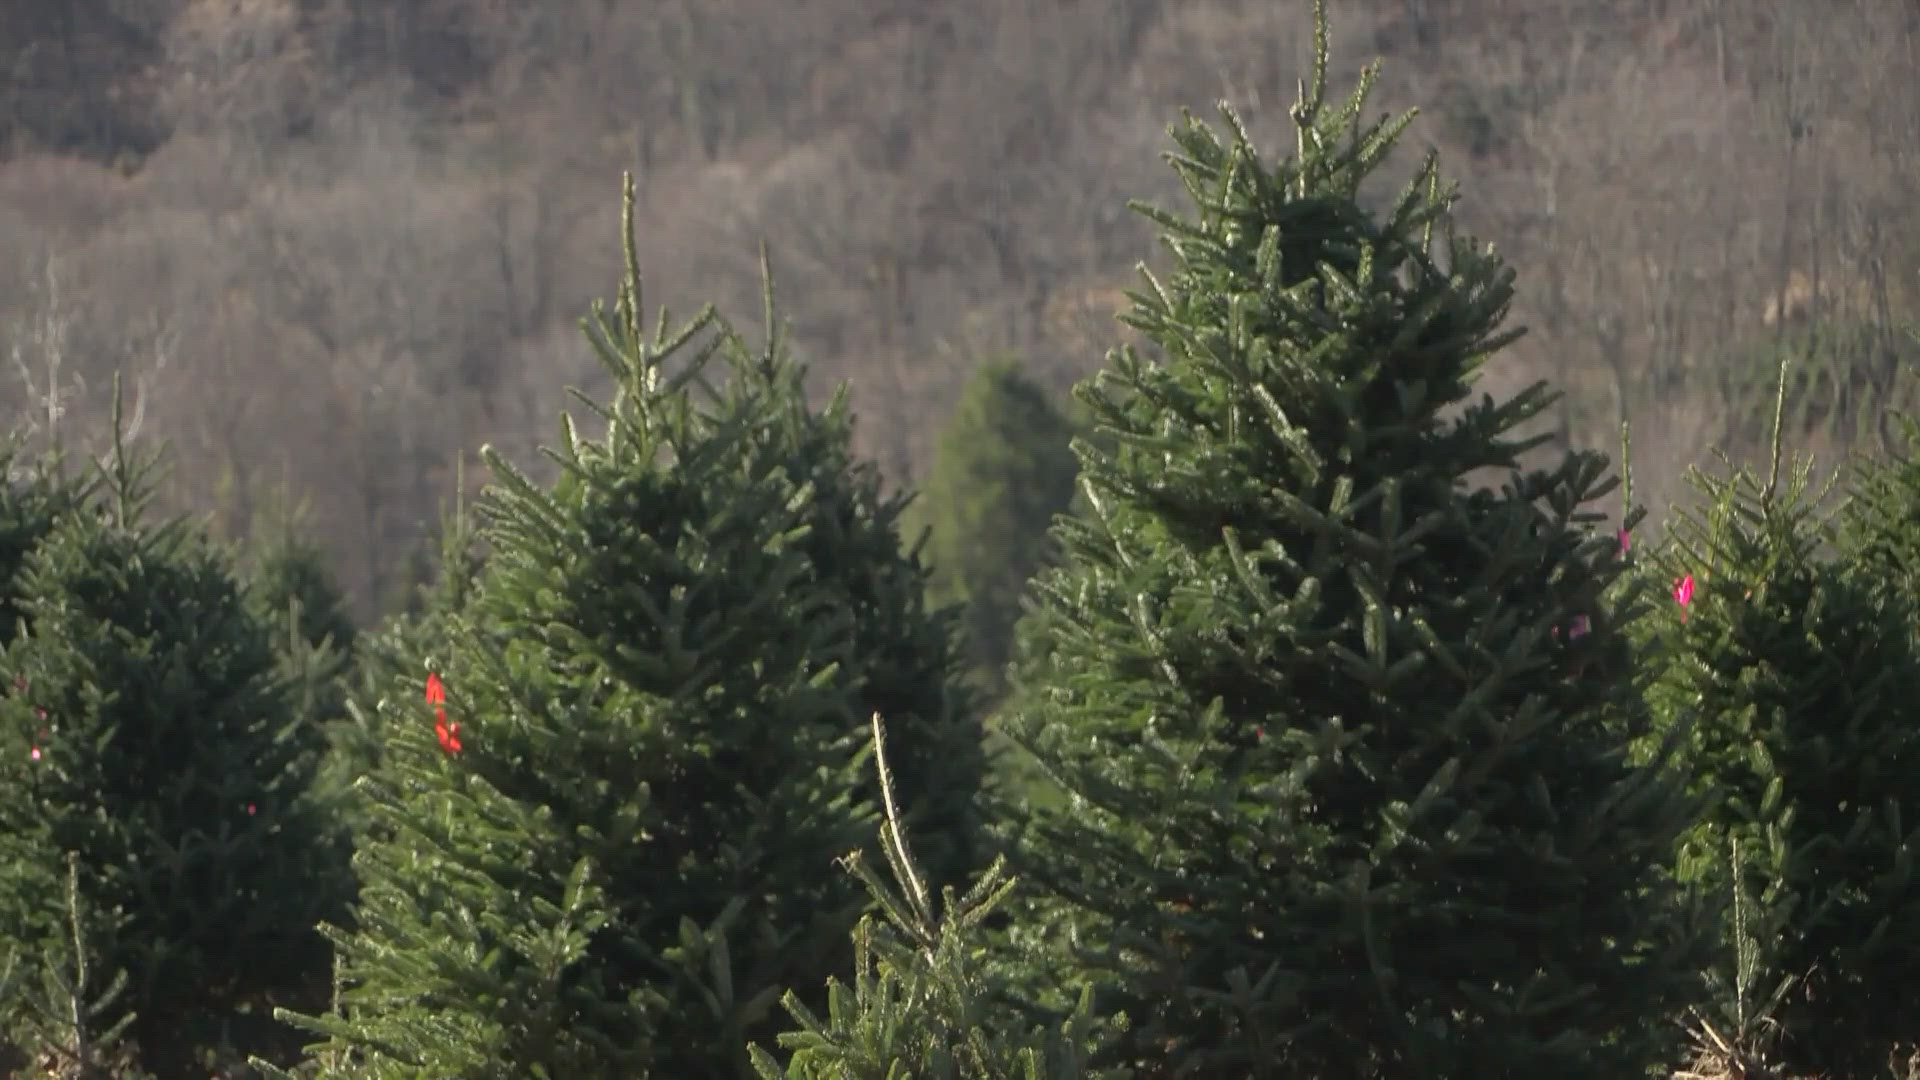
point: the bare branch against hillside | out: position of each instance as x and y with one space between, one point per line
37 356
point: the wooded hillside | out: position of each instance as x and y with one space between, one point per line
336 244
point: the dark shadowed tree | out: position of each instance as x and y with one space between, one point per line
1003 468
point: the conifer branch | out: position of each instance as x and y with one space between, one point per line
770 356
1626 470
897 838
1779 416
629 296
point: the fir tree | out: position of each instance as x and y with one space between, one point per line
1880 520
32 495
614 844
921 1003
290 579
1846 376
67 1015
1345 733
1003 469
391 655
904 657
291 590
145 730
1798 677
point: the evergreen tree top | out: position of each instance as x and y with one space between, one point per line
1336 685
1296 324
636 752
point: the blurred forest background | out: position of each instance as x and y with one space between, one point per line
332 246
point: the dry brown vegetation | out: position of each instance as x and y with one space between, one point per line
336 244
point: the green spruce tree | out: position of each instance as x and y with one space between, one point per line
58 1002
32 495
1880 520
923 1002
905 658
1003 469
290 579
1344 729
391 654
1797 674
291 589
146 731
613 846
1846 376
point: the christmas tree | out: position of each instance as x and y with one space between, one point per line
605 819
1003 469
1798 677
391 655
290 579
146 732
923 1002
904 659
1880 520
32 495
291 589
1343 730
62 1005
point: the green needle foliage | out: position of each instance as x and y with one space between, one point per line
1004 468
32 495
290 579
1798 677
391 656
1344 730
922 1003
147 730
660 681
69 1015
1880 521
